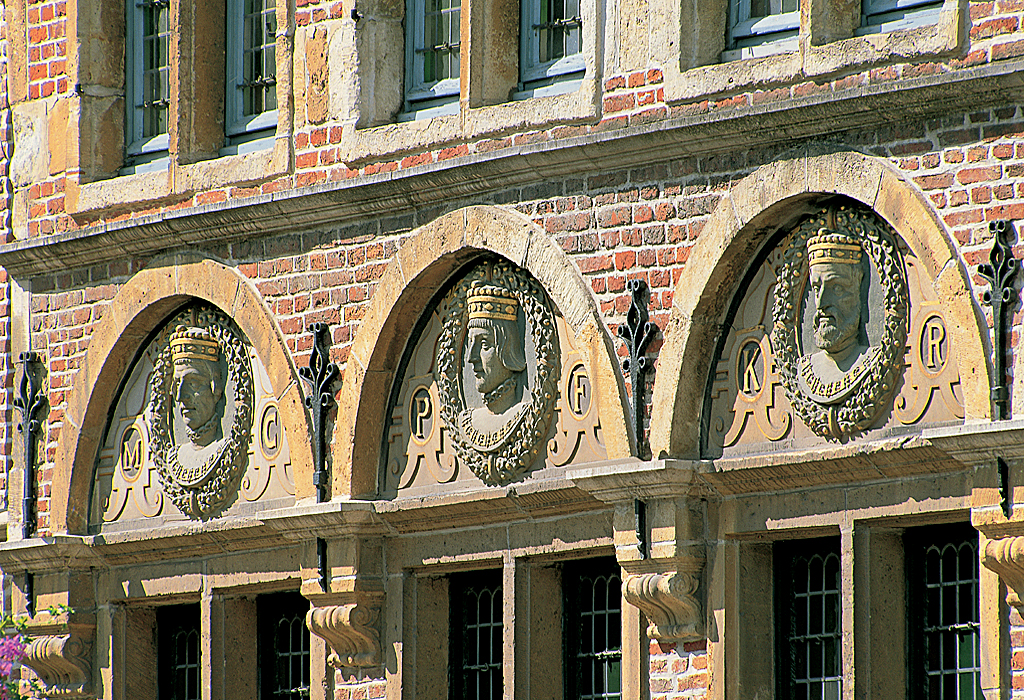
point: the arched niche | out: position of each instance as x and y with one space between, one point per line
145 301
740 226
425 261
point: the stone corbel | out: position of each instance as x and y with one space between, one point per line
1005 556
351 630
60 657
669 600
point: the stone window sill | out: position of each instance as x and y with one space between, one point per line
388 141
178 181
810 61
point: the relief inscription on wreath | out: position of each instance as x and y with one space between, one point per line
839 333
493 390
196 432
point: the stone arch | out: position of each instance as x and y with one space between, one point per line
735 232
144 301
423 263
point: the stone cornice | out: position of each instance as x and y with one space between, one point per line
333 204
55 553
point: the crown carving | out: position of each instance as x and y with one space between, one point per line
830 247
194 344
490 301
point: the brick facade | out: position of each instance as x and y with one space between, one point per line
627 217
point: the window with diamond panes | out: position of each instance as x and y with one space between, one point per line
147 65
179 652
759 27
432 55
551 38
944 619
283 646
890 15
251 100
809 619
593 629
476 636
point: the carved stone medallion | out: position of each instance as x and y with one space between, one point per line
197 407
496 412
200 412
841 386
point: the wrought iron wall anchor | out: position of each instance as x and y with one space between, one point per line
1003 470
999 272
637 332
320 375
643 545
29 401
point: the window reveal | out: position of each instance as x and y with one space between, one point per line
432 60
148 75
283 646
552 41
476 642
945 644
809 636
593 629
252 66
179 652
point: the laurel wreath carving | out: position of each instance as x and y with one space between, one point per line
523 444
859 409
223 471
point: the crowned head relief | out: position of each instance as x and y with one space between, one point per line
494 346
198 383
836 280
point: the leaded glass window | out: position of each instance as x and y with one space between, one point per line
283 646
809 620
552 41
889 15
252 66
593 629
758 27
147 64
944 618
476 637
179 651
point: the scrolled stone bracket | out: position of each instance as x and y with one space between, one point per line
351 632
1005 556
670 602
62 662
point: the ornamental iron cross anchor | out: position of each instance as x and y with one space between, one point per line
29 401
1001 296
637 332
320 375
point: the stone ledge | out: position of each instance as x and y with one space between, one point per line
336 203
486 506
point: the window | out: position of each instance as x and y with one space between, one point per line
283 646
178 651
476 639
593 629
551 51
808 619
889 15
251 99
432 57
147 79
945 643
762 27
